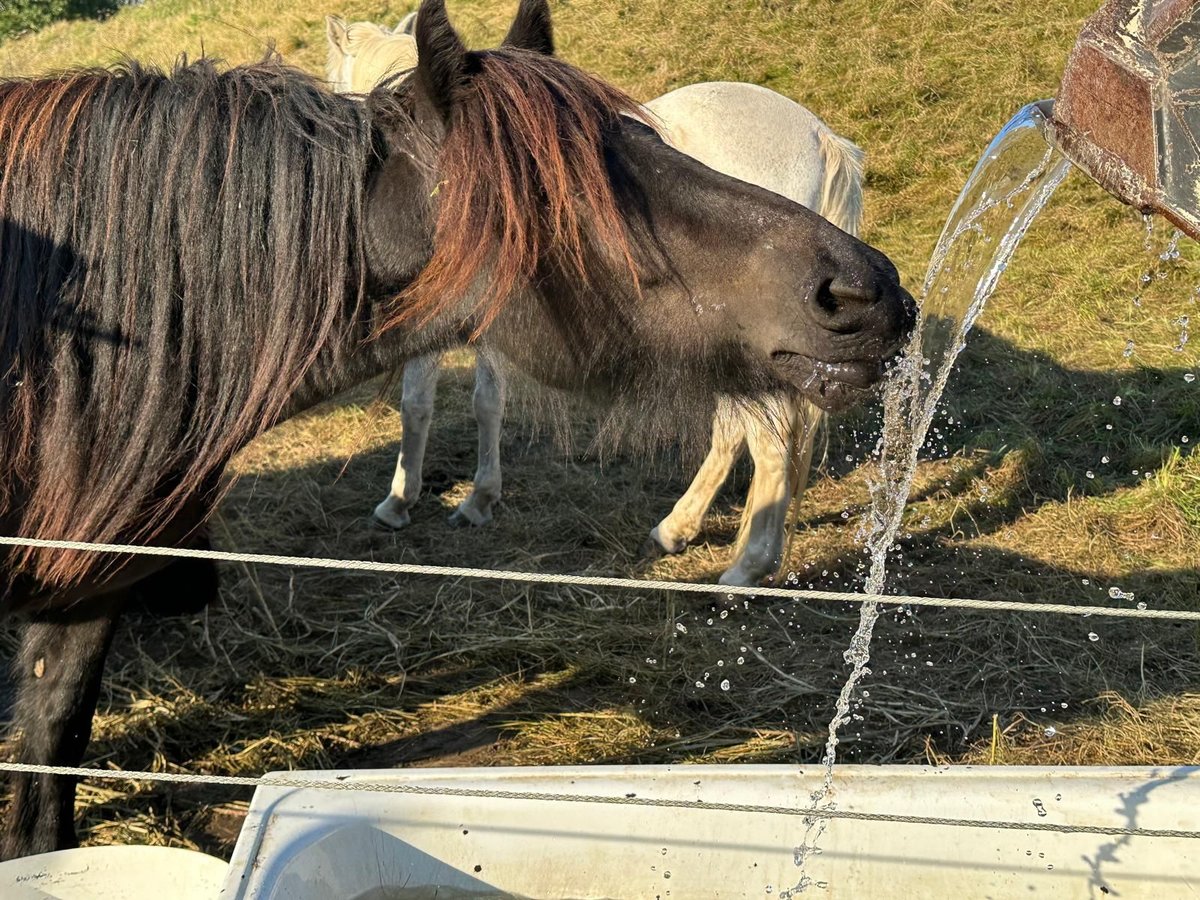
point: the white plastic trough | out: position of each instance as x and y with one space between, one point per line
320 845
113 873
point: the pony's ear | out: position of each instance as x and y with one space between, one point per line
337 32
441 55
531 29
407 24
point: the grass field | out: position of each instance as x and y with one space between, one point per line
1045 489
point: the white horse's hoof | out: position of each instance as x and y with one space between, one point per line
738 577
670 546
470 514
392 514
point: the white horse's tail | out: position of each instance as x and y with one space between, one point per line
842 192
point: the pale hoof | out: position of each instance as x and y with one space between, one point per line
735 576
670 547
469 514
392 514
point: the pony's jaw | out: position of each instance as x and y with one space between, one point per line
830 386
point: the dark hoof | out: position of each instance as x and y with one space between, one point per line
652 549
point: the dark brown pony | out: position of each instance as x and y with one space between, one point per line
187 258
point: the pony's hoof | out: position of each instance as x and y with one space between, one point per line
657 545
389 514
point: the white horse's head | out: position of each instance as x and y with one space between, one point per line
361 54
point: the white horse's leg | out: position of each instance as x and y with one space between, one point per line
489 416
681 526
781 445
416 411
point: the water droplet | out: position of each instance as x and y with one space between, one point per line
725 684
1093 637
1050 731
1141 605
632 680
1104 459
1090 474
741 660
1189 377
1117 401
1128 349
1040 807
666 874
681 628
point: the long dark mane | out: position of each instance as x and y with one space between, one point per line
524 182
175 252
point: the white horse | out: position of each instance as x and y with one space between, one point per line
362 54
743 130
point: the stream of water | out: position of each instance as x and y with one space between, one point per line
1010 185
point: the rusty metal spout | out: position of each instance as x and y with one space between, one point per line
1128 109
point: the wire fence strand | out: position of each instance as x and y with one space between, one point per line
602 581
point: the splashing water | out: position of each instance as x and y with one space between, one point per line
1009 187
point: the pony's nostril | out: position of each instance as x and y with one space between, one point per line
826 297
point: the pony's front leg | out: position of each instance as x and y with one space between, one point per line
58 672
781 445
682 524
489 417
416 412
